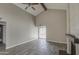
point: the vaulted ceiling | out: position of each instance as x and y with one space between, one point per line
39 8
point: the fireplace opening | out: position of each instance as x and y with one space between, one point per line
1 33
2 36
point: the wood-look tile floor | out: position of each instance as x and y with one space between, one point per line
2 47
37 47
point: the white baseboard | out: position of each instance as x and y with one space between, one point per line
19 44
57 42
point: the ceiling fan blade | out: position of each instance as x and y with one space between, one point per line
33 8
26 7
42 4
34 3
25 3
30 3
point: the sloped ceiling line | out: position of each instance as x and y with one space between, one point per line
42 7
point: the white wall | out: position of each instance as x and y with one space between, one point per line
74 19
61 6
20 26
73 15
55 20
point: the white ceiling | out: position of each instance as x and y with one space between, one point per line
39 8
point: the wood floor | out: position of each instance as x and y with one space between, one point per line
2 47
37 47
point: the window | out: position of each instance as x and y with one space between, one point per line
42 32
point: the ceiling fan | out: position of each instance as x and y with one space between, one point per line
32 5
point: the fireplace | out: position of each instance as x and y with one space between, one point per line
1 33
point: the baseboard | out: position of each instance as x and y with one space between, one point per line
57 42
19 44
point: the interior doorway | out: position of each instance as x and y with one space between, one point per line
2 36
42 32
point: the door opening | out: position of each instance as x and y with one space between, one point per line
2 36
42 32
